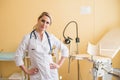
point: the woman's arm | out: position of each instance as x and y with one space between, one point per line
32 71
63 49
61 61
19 55
57 65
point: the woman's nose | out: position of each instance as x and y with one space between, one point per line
44 24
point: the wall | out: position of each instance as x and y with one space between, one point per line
17 17
106 16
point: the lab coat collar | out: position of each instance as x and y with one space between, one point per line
44 36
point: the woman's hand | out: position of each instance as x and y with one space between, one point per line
54 66
57 65
32 71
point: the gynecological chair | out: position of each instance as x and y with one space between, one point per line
102 54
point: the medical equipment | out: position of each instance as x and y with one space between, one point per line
33 33
68 41
107 48
6 56
9 56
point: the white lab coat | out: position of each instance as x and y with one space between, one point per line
40 58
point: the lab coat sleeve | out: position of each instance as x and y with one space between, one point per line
59 45
19 55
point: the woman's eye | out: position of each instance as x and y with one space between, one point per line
45 21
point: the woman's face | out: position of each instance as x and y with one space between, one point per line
43 23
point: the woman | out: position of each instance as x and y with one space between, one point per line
39 45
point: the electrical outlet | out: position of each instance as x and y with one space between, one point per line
85 10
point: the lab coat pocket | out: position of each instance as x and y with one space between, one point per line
54 74
32 45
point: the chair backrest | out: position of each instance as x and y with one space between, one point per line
92 49
109 45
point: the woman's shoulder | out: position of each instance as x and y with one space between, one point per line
26 36
51 35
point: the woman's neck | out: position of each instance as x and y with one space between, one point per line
40 34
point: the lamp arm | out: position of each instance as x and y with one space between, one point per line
77 38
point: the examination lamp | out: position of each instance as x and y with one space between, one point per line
68 39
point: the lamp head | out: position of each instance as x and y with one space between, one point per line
67 40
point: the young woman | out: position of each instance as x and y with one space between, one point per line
39 45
